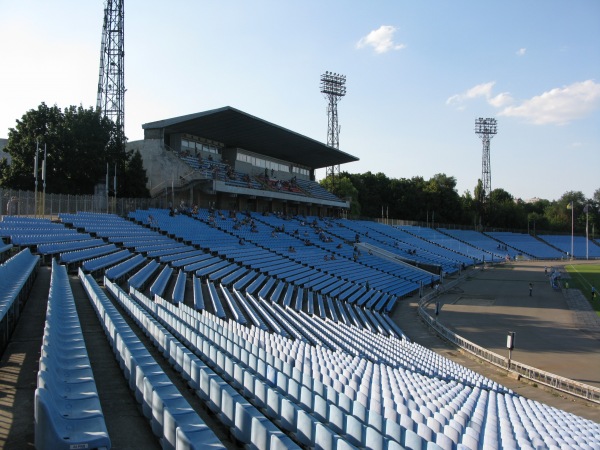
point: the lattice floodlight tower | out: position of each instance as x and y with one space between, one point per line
111 86
333 87
486 129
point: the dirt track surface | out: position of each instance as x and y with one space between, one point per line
556 331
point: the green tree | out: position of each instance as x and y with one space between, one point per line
479 201
373 192
594 213
345 190
468 209
442 198
136 178
505 211
79 143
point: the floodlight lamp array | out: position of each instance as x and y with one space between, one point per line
333 84
486 127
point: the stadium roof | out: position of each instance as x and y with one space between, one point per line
235 128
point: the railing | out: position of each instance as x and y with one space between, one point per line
554 381
26 203
183 180
390 256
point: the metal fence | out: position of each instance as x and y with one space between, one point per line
569 386
32 204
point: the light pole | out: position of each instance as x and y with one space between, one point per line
35 176
586 210
571 207
44 183
333 87
107 207
486 129
42 207
115 190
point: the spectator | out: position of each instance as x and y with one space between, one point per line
151 221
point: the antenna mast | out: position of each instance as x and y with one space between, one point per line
111 82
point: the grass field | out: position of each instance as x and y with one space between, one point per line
583 277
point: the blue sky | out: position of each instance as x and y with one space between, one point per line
418 75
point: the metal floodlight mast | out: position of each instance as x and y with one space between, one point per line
486 129
333 87
111 82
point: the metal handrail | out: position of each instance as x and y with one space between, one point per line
534 374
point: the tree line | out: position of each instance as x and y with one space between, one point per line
436 201
79 144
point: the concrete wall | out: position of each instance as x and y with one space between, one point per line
161 166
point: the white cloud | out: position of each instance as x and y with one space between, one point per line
481 90
500 100
381 39
558 106
521 52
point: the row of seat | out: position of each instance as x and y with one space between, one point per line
525 245
142 276
218 171
247 424
4 250
172 419
490 248
67 410
411 246
431 409
103 262
261 259
121 270
582 246
302 405
16 278
304 427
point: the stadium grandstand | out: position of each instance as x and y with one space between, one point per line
253 330
233 160
247 312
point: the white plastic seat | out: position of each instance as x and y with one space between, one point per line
412 440
53 431
306 426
